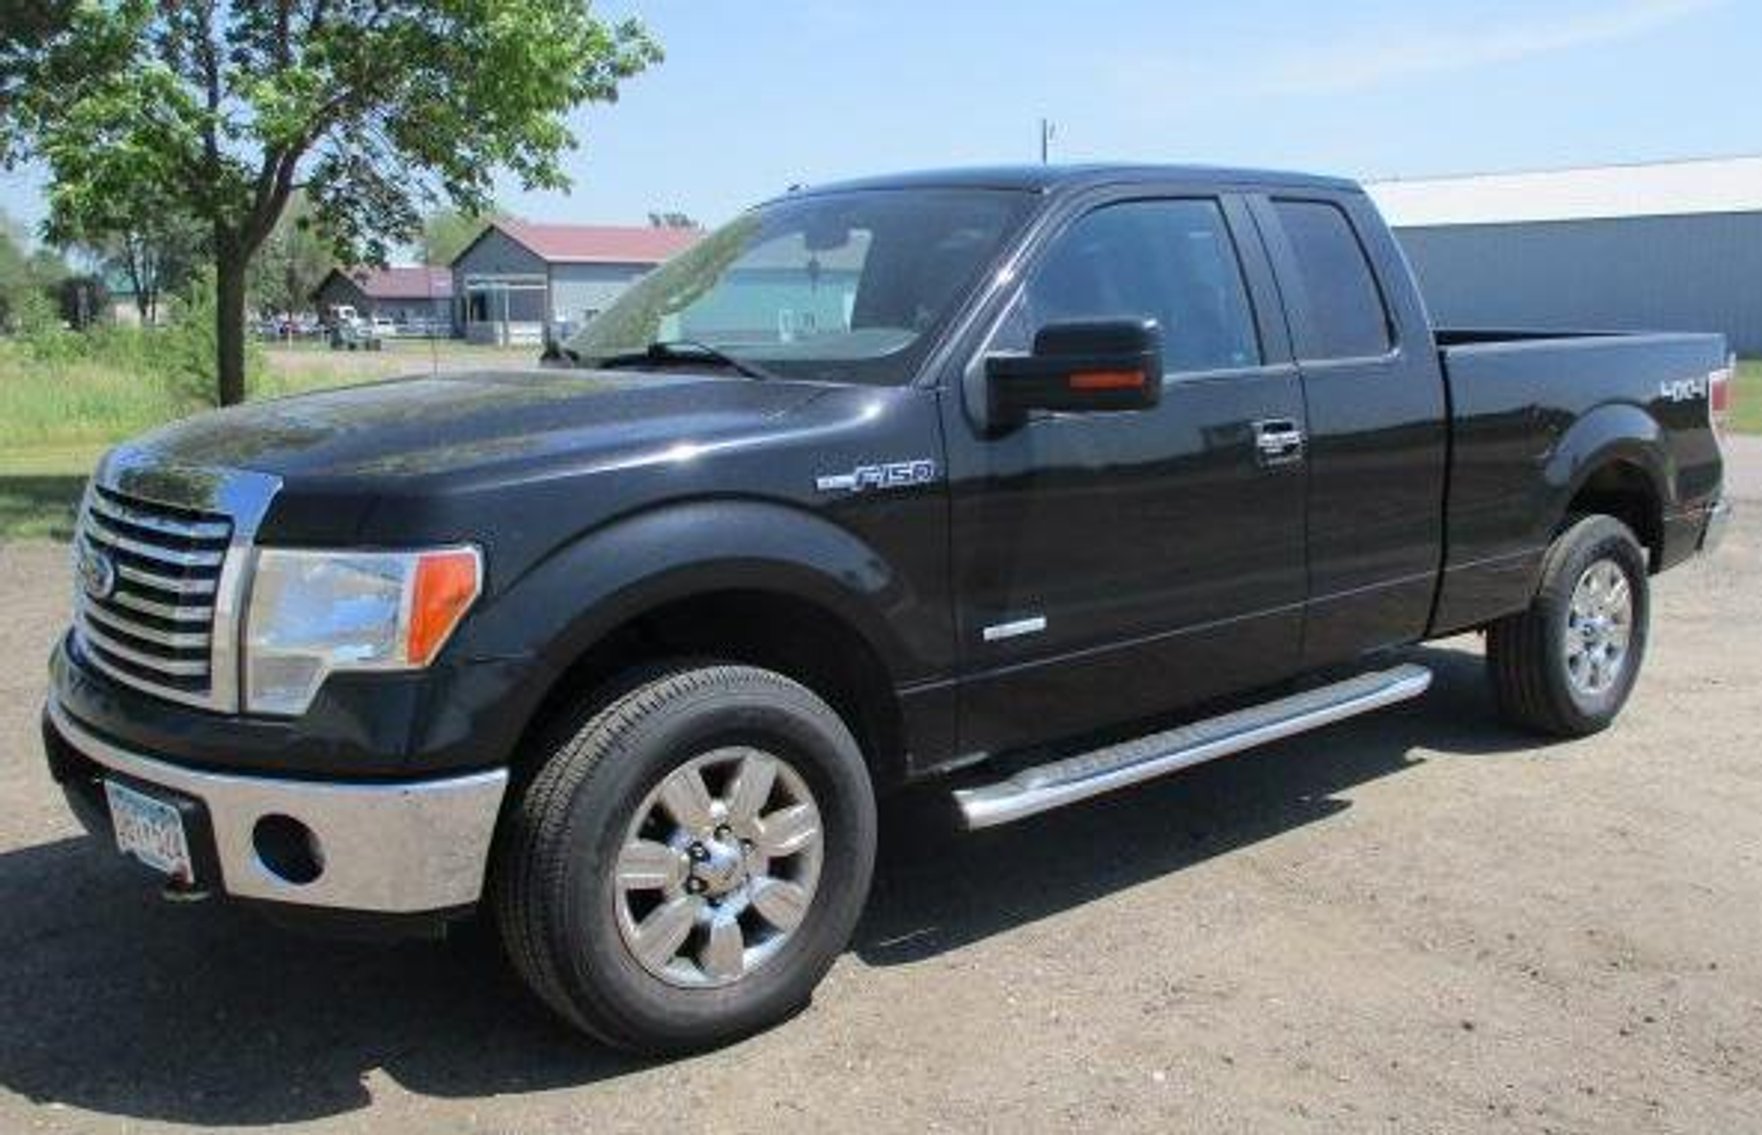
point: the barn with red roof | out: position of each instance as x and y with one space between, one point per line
529 282
418 298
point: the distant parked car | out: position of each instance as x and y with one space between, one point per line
355 335
384 328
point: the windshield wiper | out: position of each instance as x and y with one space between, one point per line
687 350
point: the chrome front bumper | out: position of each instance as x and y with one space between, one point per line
400 848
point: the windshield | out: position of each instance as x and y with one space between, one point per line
845 287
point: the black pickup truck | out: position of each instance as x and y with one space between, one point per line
1034 483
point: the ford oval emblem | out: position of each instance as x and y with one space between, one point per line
97 574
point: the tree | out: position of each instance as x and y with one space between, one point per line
293 261
446 232
46 268
156 258
14 276
377 108
140 229
30 282
155 251
81 300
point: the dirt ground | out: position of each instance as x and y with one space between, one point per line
1417 921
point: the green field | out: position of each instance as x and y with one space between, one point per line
56 420
1746 407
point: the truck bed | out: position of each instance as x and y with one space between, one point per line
1529 409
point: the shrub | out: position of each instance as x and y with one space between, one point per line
39 328
177 364
188 353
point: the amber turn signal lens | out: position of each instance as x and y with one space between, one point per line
447 583
1107 380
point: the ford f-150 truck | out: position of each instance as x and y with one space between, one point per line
1031 483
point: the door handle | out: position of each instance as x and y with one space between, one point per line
1278 441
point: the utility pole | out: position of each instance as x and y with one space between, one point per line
1047 130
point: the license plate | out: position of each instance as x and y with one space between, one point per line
150 830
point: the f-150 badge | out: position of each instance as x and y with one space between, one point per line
865 478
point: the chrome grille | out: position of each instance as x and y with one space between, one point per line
149 578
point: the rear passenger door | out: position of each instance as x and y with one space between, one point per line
1111 566
1377 423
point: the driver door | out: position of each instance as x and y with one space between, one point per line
1113 566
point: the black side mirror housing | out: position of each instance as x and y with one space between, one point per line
1085 366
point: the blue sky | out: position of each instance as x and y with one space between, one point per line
755 96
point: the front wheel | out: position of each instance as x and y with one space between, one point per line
1566 665
684 869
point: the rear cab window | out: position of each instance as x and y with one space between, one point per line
1339 311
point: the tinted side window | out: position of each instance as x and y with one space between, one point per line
1171 261
1344 316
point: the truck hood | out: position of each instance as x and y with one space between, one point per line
452 423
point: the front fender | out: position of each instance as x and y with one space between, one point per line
616 572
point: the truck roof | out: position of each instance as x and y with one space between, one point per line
1060 178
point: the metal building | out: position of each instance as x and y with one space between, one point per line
1673 246
520 282
418 298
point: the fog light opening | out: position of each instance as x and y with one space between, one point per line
288 849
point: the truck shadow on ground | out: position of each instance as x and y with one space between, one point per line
119 1004
39 506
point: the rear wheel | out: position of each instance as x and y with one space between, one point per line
1567 664
684 869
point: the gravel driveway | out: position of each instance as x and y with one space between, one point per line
1415 921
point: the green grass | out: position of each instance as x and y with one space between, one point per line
1746 398
100 401
57 418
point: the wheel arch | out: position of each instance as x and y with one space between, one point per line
1615 461
742 581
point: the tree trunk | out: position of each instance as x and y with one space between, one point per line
133 261
229 325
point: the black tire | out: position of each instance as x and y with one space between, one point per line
1526 652
557 899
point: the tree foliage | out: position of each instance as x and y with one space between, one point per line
184 357
155 253
82 301
293 261
30 282
13 276
446 232
379 109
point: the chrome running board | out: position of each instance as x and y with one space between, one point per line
1066 781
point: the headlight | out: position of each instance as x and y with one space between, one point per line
316 612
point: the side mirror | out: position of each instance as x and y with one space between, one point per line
1078 367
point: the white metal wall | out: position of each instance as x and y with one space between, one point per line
577 289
